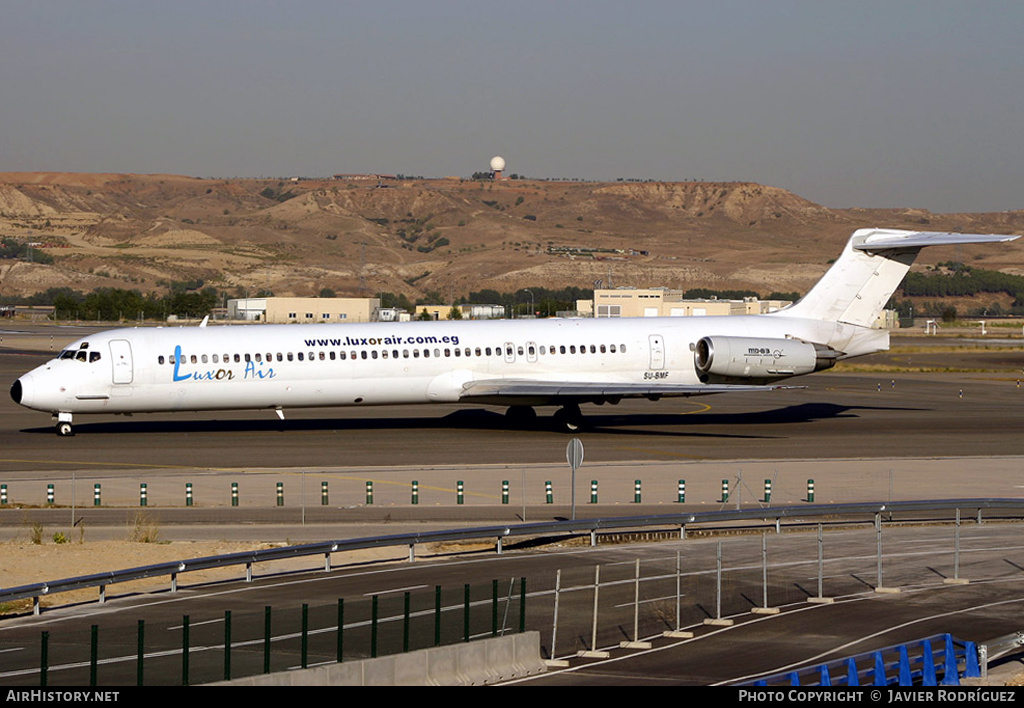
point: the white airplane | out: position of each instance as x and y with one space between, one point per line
516 363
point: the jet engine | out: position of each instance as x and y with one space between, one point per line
752 360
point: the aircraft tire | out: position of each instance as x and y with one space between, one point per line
64 429
569 419
521 416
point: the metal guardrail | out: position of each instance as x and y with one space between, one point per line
791 514
993 649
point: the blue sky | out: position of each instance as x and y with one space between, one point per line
871 104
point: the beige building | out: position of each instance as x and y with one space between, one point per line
662 302
305 310
467 312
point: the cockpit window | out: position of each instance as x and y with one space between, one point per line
67 354
80 355
94 356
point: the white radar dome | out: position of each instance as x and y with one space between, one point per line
497 163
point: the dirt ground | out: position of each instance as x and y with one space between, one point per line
23 562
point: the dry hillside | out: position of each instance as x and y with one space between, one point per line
449 236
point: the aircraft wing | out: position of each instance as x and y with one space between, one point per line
509 389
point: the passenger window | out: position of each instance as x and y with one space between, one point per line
160 359
299 355
373 354
362 354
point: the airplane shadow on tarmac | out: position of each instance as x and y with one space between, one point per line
654 424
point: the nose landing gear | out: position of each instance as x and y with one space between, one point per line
63 428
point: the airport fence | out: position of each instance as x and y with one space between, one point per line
773 517
246 642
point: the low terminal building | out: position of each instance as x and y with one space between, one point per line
663 302
307 310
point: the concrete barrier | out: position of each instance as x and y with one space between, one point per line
471 664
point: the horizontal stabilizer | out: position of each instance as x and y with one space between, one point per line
884 239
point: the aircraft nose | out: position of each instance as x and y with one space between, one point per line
18 389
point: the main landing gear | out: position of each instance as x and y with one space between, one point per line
568 419
521 416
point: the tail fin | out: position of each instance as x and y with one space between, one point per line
871 267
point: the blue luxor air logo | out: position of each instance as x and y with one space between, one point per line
253 370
